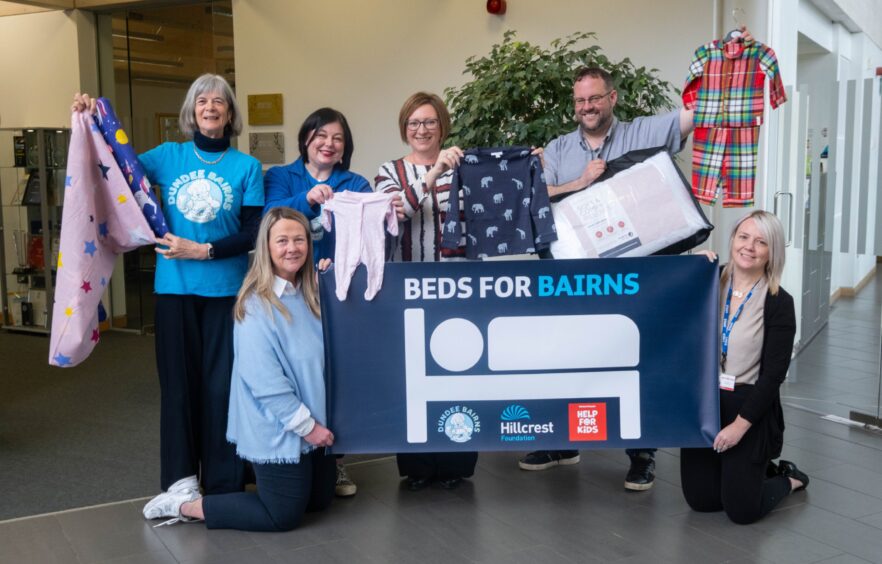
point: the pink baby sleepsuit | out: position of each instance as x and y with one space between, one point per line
360 237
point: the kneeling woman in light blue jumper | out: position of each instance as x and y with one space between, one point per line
277 401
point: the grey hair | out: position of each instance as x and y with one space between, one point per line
209 83
773 232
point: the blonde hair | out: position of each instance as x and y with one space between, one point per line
260 277
773 232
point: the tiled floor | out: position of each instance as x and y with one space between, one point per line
570 514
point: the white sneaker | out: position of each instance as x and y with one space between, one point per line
169 504
188 483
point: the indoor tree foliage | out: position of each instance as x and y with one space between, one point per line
522 94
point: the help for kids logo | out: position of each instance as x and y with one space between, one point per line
587 421
459 423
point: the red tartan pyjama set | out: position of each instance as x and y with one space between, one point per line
725 88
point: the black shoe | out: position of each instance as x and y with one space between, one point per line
544 459
417 484
641 475
789 470
450 483
772 470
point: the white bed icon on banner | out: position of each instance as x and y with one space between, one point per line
577 344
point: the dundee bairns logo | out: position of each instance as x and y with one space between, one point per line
459 423
515 425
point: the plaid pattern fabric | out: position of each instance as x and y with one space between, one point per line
725 84
724 157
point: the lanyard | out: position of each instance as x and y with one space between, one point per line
727 326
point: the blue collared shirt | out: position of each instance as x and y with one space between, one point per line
568 155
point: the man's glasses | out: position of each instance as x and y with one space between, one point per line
592 100
429 124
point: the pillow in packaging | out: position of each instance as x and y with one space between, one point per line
646 209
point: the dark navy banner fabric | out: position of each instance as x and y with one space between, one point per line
525 355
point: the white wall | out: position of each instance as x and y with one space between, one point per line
41 66
365 58
866 14
811 23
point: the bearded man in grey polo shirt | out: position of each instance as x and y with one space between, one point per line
575 160
572 163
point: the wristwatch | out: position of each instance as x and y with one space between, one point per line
210 251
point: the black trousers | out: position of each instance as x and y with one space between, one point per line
734 481
437 465
284 493
194 358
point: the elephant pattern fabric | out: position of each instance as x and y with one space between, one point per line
505 204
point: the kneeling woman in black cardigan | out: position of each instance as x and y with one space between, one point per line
758 325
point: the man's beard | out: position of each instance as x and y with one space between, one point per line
601 127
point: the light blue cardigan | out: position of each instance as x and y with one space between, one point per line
278 381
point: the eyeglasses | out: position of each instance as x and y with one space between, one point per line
429 124
592 100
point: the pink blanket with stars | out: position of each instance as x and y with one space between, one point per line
101 220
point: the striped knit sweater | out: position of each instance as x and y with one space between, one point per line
426 211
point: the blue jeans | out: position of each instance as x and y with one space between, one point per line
284 493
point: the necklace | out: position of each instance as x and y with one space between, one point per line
317 174
214 162
740 293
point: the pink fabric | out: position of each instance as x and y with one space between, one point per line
360 237
101 219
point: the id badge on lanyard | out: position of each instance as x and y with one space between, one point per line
727 381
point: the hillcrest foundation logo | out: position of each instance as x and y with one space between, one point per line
516 425
459 423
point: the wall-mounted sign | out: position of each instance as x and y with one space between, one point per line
265 109
268 148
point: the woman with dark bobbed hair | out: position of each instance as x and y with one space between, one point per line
326 148
213 198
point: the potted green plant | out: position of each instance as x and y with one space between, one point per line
521 94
